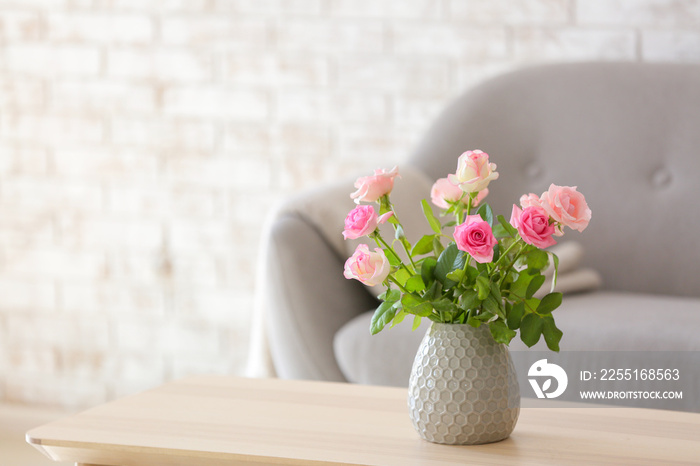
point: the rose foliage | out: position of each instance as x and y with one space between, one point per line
489 270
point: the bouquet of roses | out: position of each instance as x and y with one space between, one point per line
489 271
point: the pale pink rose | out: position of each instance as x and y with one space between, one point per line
566 206
363 220
371 188
529 200
475 237
444 191
533 225
474 172
369 267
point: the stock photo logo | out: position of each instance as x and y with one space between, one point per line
544 371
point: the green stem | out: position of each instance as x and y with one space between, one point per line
458 212
385 206
510 266
505 254
401 287
381 242
469 205
408 253
464 269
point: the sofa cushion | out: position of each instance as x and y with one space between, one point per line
601 321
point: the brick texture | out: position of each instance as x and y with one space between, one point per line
143 143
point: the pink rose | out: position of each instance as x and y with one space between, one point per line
475 237
529 200
363 220
371 188
371 268
533 226
566 206
444 191
474 172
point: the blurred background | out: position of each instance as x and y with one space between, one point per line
142 144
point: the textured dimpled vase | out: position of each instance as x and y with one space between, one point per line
463 388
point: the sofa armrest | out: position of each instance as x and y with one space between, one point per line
302 297
307 300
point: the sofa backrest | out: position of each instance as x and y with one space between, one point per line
628 135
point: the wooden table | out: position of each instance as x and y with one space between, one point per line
220 420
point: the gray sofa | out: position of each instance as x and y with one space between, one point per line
628 135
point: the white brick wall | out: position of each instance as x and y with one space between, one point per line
98 28
142 143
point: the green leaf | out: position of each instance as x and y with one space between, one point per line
430 217
499 232
515 316
552 335
496 253
520 285
437 246
450 259
509 229
534 285
493 306
549 303
531 305
531 329
485 316
555 260
415 305
416 322
423 246
444 305
382 316
415 283
398 318
390 296
455 275
434 291
496 292
427 270
500 332
424 310
486 213
402 276
482 287
470 300
394 260
536 258
473 321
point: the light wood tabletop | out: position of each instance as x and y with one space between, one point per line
221 420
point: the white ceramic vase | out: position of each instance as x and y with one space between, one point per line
463 388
